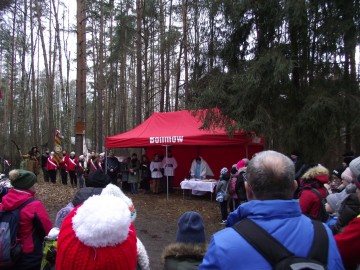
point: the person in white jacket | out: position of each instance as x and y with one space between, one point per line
200 169
169 165
156 175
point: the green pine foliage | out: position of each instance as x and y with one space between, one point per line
285 71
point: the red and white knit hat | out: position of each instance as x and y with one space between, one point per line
114 190
97 235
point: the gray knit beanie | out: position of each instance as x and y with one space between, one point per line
355 167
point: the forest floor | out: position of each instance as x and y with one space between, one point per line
157 216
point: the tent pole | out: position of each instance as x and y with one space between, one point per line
106 161
167 177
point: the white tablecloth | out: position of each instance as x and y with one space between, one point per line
198 185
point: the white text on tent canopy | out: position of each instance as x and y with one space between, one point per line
167 139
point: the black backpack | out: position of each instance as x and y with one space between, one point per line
280 257
323 215
11 249
240 187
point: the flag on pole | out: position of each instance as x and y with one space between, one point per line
58 146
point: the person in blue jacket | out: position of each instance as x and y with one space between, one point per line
270 186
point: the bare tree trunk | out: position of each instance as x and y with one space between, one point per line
186 83
49 80
123 102
162 56
45 110
101 82
81 77
66 114
147 95
23 94
123 79
153 80
9 110
111 98
196 55
133 90
167 93
35 125
178 73
138 63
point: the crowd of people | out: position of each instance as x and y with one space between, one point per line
311 213
283 195
130 173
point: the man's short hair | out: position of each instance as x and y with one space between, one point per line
271 176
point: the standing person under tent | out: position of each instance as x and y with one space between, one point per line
169 165
134 175
156 175
200 169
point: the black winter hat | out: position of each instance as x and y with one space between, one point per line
347 160
233 170
97 179
337 172
190 228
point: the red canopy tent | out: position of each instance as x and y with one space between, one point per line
181 131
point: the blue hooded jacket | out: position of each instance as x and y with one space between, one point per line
282 219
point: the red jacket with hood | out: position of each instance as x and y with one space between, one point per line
35 224
348 243
315 178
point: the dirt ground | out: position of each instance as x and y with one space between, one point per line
157 216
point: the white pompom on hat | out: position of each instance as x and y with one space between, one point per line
98 234
224 170
102 228
114 190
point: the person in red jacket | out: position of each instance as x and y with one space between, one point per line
314 178
63 167
51 167
72 162
348 241
34 222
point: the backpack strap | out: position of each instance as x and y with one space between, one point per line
319 249
18 209
322 210
315 191
261 240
